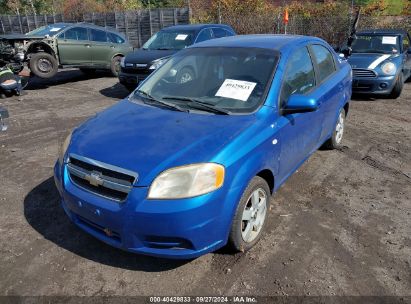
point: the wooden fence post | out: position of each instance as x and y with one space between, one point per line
139 27
2 25
175 16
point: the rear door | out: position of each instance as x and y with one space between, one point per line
299 133
100 48
74 47
330 83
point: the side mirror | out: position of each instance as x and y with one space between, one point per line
300 104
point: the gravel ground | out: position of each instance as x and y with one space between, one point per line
339 226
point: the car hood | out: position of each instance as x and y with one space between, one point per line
149 140
366 60
147 56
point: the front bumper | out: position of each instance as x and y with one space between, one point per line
179 229
131 80
379 85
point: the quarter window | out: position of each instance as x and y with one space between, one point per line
324 60
76 33
97 35
299 75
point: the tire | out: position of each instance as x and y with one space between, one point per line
88 71
241 238
397 89
335 141
185 75
115 65
43 65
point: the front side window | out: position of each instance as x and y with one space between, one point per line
219 32
98 35
405 43
324 60
299 77
384 44
76 33
204 35
115 38
170 40
233 79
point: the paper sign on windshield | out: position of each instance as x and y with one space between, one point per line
389 40
181 37
236 89
55 29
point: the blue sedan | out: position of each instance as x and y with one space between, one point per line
381 62
181 169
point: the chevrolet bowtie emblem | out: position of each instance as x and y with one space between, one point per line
94 178
108 232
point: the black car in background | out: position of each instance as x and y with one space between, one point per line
136 66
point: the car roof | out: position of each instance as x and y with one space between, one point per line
383 31
195 27
265 41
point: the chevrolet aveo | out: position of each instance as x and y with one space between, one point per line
181 169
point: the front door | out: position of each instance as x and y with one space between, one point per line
300 132
74 47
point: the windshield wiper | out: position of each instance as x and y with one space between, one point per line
200 104
169 105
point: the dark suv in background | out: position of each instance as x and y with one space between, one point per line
136 66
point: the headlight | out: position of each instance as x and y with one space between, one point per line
187 181
123 62
157 63
389 68
63 148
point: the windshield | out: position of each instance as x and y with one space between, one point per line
50 30
376 44
231 80
167 40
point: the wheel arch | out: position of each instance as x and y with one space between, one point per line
37 47
268 176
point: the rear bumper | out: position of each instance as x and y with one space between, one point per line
177 229
380 85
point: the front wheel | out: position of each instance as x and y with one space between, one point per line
336 139
397 89
251 215
43 65
115 65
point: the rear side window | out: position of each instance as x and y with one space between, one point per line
76 33
324 60
299 77
97 35
115 38
219 32
204 35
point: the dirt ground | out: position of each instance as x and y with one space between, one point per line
339 226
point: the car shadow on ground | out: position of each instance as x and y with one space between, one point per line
117 91
43 212
63 77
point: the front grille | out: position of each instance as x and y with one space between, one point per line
363 73
102 179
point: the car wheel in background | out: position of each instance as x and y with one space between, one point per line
336 139
185 75
115 65
43 65
397 89
251 215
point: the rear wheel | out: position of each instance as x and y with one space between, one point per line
397 89
250 217
115 65
336 139
43 65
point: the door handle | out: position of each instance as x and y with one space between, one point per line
87 45
112 46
